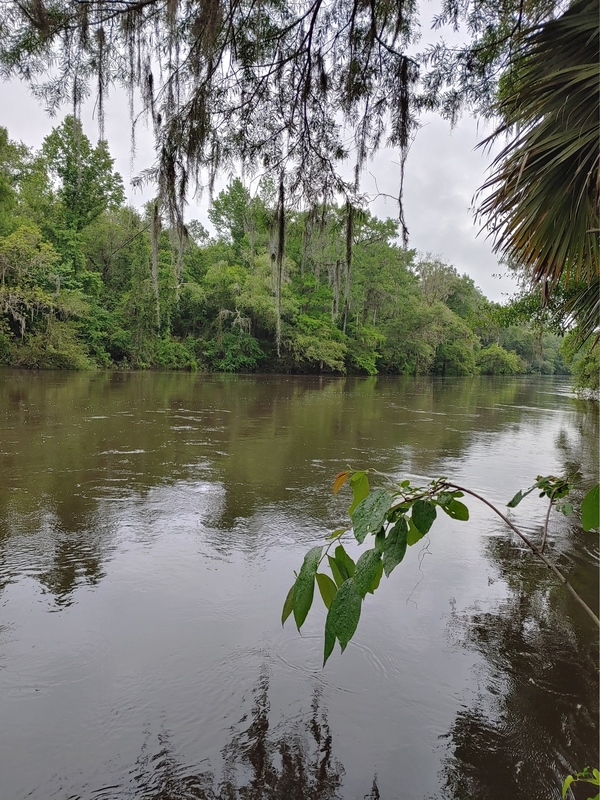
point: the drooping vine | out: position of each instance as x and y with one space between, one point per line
155 232
278 258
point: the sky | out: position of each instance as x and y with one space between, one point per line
443 173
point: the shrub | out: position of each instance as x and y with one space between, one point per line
55 348
495 360
233 352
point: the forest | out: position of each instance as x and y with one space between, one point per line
88 281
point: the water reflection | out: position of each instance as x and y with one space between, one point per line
77 560
70 443
162 515
536 716
260 763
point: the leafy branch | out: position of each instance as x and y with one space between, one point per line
586 776
398 517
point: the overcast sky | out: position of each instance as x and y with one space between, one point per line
443 172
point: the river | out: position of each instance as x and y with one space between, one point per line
150 524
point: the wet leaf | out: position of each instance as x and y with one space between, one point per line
520 495
424 514
329 641
368 572
344 613
516 499
337 570
304 588
457 510
369 516
590 509
327 588
565 508
414 535
377 577
380 541
288 605
360 489
444 498
395 546
344 560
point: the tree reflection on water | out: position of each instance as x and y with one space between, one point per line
260 763
536 717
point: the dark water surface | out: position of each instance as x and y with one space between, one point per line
149 528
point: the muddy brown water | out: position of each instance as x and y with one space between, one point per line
149 528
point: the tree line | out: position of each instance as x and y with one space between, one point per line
88 281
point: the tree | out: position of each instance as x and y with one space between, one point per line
275 86
13 158
229 212
495 360
86 183
124 296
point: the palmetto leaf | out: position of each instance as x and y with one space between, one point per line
542 206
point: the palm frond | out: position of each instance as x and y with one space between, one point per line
583 307
543 195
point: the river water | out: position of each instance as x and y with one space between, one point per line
149 528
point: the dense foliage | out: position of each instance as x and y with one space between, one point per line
82 286
295 91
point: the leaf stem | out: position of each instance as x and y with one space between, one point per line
534 549
543 544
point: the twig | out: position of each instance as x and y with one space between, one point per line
534 549
543 544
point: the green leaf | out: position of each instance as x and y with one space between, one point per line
590 509
344 560
377 578
327 588
329 641
336 533
520 495
516 499
304 588
368 572
380 540
370 514
565 508
423 515
360 489
457 510
338 571
344 613
565 788
414 535
288 605
395 546
444 498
